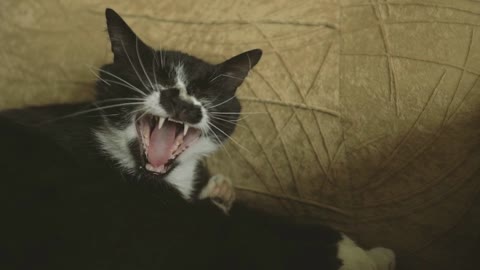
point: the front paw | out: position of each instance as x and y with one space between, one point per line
221 191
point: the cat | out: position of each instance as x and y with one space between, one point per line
120 182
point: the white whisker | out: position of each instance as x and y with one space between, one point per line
133 66
122 84
225 75
119 99
232 122
117 77
216 105
233 140
96 75
219 141
94 110
162 59
155 60
239 113
142 115
241 118
141 64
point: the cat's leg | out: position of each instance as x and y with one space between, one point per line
354 257
220 190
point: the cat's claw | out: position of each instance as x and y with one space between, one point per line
220 190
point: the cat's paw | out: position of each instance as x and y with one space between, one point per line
384 258
221 191
354 257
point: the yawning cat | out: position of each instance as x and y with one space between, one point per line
119 183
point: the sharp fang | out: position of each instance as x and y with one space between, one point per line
185 129
161 120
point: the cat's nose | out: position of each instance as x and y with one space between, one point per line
178 108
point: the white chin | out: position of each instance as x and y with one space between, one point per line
202 147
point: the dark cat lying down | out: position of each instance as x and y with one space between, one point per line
119 183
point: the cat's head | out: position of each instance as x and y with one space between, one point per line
163 107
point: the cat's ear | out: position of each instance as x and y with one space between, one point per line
234 70
125 42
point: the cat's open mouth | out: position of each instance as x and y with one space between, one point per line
163 141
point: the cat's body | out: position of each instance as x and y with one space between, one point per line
93 191
69 208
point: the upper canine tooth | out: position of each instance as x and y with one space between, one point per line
161 120
185 129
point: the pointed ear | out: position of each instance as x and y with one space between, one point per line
125 42
235 69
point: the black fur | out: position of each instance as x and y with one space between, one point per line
65 205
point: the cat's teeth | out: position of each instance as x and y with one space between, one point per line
160 169
149 167
185 129
161 120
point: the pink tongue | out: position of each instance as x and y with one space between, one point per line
161 144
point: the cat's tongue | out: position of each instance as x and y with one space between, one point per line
161 144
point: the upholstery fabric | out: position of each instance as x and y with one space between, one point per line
362 114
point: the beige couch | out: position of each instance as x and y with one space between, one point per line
362 114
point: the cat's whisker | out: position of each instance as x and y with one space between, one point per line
133 66
206 102
142 115
141 64
233 140
162 59
155 60
225 75
134 112
219 141
98 77
119 99
232 122
235 113
112 114
124 85
94 110
242 118
219 104
122 80
221 118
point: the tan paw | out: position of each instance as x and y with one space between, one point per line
220 190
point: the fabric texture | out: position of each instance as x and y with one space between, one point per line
364 115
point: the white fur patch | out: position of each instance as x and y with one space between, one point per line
181 81
203 124
354 257
152 104
182 176
115 142
202 147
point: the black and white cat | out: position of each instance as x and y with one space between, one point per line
119 183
